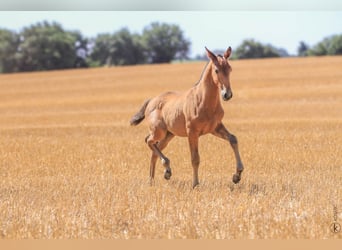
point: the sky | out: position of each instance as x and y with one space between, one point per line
214 29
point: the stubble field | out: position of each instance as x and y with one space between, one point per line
72 167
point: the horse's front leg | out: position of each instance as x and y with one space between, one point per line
223 133
195 158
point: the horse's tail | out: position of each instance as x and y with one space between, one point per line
138 117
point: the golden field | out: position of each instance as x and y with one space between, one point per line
71 166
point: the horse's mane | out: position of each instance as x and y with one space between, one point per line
202 74
204 70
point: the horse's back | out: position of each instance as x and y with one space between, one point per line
158 102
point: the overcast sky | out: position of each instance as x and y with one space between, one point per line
214 29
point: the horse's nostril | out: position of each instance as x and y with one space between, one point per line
227 95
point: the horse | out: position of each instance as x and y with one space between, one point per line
191 114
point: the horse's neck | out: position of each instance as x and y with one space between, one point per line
207 91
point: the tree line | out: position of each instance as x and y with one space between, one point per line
48 46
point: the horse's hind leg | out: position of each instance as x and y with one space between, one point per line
156 148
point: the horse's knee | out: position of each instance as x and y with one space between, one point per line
232 139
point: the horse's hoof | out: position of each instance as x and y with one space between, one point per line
236 178
167 174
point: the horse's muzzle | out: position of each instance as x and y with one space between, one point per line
226 95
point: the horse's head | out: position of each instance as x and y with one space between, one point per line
220 72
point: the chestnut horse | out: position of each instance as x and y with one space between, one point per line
191 114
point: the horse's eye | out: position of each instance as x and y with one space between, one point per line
216 71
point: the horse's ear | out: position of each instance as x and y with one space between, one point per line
228 53
212 56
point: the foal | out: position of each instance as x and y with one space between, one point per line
191 114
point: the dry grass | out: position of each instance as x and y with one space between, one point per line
71 167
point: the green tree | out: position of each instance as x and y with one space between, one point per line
165 42
303 49
328 46
47 46
82 50
120 48
335 47
253 49
9 43
128 48
102 50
